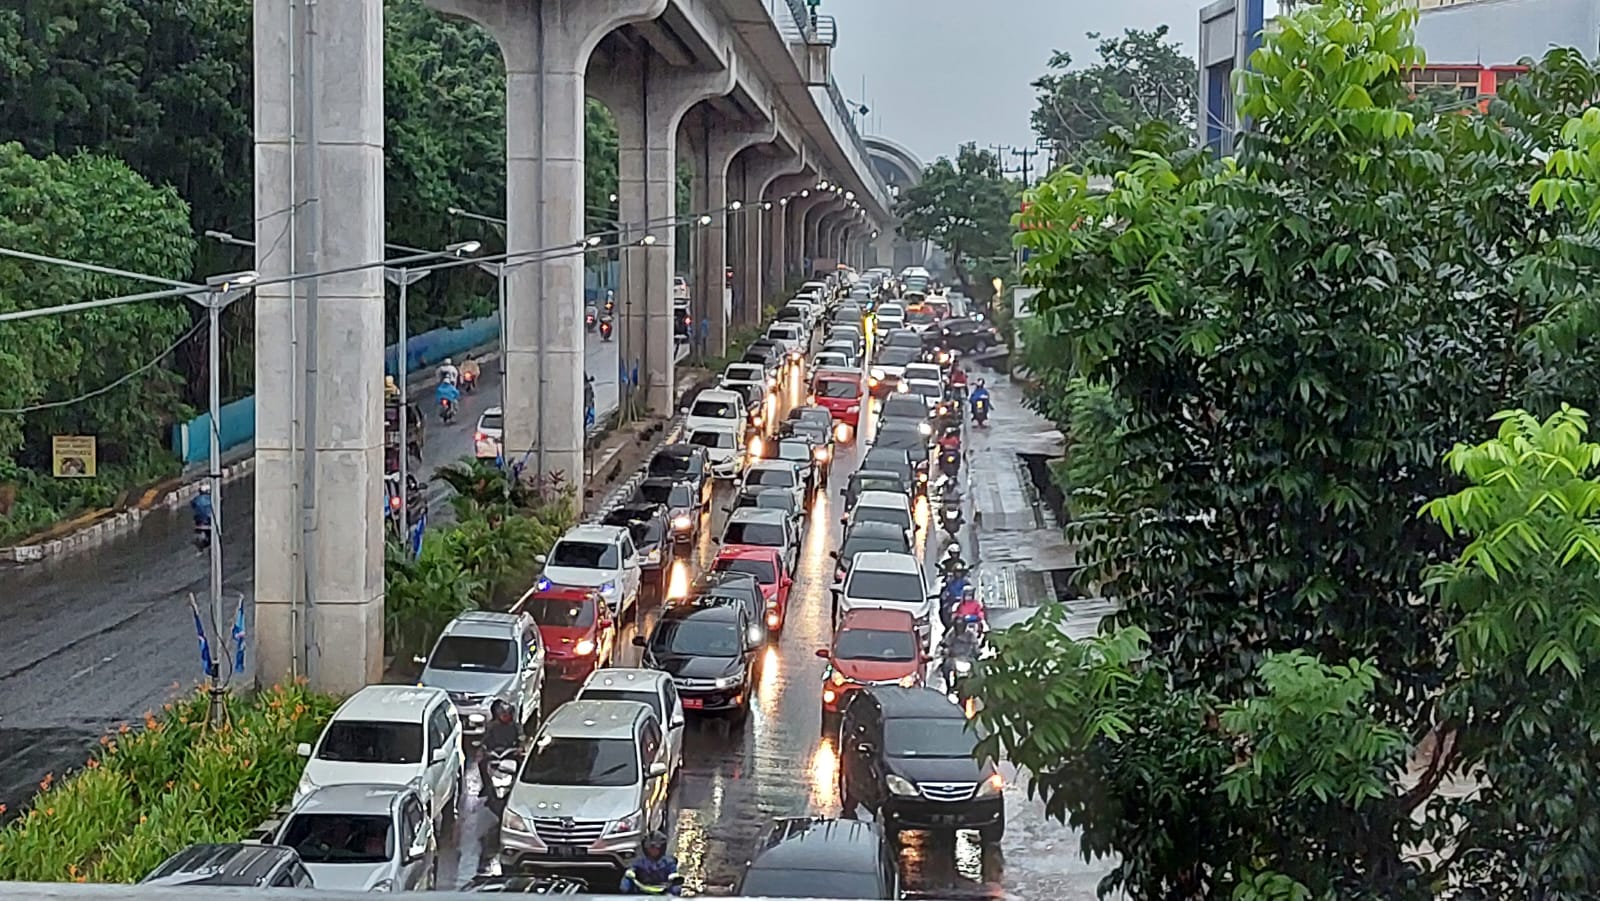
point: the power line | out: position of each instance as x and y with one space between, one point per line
106 389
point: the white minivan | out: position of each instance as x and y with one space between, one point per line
716 407
885 579
725 448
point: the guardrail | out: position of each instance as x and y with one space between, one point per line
792 17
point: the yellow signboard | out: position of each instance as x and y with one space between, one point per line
72 456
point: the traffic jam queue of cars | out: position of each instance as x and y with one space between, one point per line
581 788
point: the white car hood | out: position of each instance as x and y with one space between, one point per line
918 609
339 772
581 802
347 877
581 577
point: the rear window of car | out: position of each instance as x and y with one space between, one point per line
837 388
715 409
711 438
492 421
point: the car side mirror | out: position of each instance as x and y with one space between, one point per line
303 749
657 770
833 554
844 520
638 641
419 847
823 653
541 558
420 659
437 756
677 720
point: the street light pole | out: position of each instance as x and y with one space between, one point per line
404 278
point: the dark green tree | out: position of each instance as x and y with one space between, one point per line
1138 77
965 207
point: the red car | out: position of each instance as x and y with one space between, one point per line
766 564
871 646
840 393
576 626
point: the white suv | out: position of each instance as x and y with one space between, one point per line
887 580
483 656
593 785
390 735
599 557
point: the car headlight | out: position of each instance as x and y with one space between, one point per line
584 648
727 682
682 522
609 588
838 678
623 825
877 373
899 786
652 556
908 680
475 719
821 454
925 429
382 885
991 785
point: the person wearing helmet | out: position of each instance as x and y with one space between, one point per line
204 513
448 373
960 645
955 588
970 608
501 733
391 391
470 371
654 871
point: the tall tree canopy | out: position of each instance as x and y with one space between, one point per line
965 207
1294 339
1138 77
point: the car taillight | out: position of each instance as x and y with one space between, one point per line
480 437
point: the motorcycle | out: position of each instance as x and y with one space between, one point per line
949 459
611 304
503 765
606 328
447 410
590 318
469 381
202 535
673 885
980 412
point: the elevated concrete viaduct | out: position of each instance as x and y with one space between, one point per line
743 83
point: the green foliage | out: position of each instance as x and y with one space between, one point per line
150 792
1291 340
1139 77
965 207
98 210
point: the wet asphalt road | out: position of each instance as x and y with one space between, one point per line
97 638
735 782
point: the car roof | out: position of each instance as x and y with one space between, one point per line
587 718
715 613
552 592
389 703
594 532
627 678
352 797
747 552
678 450
758 514
899 452
815 843
711 580
888 619
240 863
633 510
864 474
874 529
885 561
484 624
898 702
716 394
827 374
769 463
876 498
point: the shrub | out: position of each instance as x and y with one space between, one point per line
148 792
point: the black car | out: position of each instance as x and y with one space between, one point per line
904 407
904 338
530 884
650 528
800 452
874 480
904 436
906 754
968 335
815 857
243 864
684 463
768 499
682 502
867 535
768 346
890 459
740 589
766 355
709 651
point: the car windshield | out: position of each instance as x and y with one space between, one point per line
651 699
889 311
714 409
763 570
474 654
559 613
760 534
881 514
646 533
875 644
929 737
492 422
585 555
693 638
798 451
764 883
671 465
774 500
885 586
709 438
771 477
927 389
877 484
674 494
837 388
746 374
340 837
358 741
903 408
900 356
598 762
784 333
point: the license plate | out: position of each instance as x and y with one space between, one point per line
567 850
946 819
693 703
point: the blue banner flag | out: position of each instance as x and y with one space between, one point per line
238 638
200 633
416 535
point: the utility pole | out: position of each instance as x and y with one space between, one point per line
1027 154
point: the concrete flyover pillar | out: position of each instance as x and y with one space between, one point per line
754 274
323 546
781 253
826 205
716 146
802 240
649 100
546 45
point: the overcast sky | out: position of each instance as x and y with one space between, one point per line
940 73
